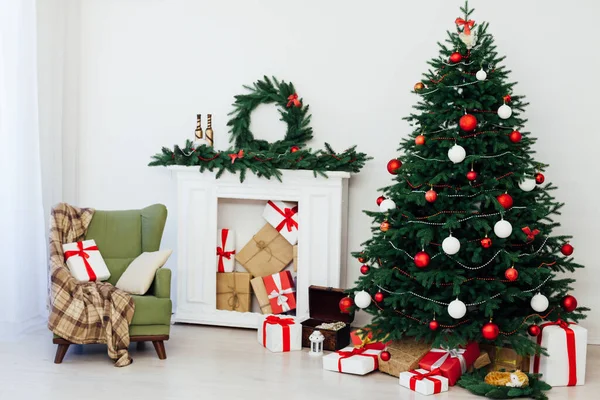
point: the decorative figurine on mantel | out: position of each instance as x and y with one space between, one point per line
316 343
209 132
198 135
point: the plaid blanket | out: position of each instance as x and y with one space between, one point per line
93 312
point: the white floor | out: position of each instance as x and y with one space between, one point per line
206 363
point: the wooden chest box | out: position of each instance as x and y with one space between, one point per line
323 307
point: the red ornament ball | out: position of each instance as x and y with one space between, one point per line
364 269
490 331
539 178
511 274
486 242
385 226
505 200
456 57
434 325
567 249
420 140
467 122
345 304
431 196
568 303
385 356
294 149
380 199
361 259
422 259
471 175
393 166
515 136
379 297
534 330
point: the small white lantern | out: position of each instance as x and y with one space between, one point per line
316 343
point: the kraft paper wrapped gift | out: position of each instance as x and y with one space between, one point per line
233 291
280 334
566 344
85 261
424 382
295 261
267 253
354 360
258 286
406 354
284 218
226 251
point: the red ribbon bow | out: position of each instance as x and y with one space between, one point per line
468 25
359 351
419 376
234 156
293 99
81 252
530 233
221 252
571 354
285 327
288 217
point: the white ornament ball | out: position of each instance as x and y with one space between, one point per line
457 154
481 75
451 245
504 111
459 90
527 185
539 303
387 205
457 309
362 299
503 229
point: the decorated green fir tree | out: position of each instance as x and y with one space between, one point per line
463 249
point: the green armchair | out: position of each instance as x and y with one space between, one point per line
122 236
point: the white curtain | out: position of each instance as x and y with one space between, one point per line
23 265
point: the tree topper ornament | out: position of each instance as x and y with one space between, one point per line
468 37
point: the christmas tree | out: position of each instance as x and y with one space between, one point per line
462 247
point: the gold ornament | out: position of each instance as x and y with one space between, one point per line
198 131
419 86
384 226
510 379
209 131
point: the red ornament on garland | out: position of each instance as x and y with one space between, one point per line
379 297
490 331
511 274
380 199
567 249
385 226
471 175
568 303
539 178
345 304
422 259
364 269
393 166
486 242
534 330
515 136
420 140
385 356
456 57
434 325
294 149
467 122
505 200
431 195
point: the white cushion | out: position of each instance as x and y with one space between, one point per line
138 277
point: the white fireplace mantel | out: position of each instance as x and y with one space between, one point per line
322 242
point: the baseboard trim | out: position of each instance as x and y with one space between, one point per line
10 331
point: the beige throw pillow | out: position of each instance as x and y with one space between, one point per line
138 277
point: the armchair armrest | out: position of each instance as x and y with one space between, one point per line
162 283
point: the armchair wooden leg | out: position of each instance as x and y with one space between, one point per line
159 346
61 350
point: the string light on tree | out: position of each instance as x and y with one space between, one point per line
387 205
457 309
457 154
567 249
362 299
393 166
451 245
481 75
539 303
490 331
527 185
503 229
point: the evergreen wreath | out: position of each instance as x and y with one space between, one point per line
262 158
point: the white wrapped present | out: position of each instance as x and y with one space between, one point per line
226 251
424 382
566 345
280 334
354 360
283 217
85 261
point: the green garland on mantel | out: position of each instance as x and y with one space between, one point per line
260 157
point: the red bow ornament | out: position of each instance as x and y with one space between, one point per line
467 24
234 156
293 100
81 252
530 233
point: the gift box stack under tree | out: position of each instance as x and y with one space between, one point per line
405 356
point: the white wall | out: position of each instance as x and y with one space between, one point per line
147 67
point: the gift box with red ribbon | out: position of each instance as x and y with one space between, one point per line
354 360
566 344
226 251
452 363
280 334
424 382
283 217
85 261
281 291
363 336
